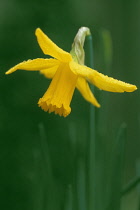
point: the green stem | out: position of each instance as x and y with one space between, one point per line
45 150
130 186
92 140
48 176
69 198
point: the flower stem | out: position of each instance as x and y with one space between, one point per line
92 140
131 185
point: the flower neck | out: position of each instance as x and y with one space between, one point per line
77 50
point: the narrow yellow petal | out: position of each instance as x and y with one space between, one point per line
101 81
84 89
59 94
50 48
34 65
110 84
50 72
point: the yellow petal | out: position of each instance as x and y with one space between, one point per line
50 48
50 72
84 89
34 65
109 84
101 81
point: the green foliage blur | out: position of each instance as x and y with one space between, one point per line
25 172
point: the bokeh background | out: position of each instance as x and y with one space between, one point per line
23 177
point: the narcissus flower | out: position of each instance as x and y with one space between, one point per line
67 74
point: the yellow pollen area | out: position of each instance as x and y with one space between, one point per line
59 94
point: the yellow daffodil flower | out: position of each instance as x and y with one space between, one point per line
66 75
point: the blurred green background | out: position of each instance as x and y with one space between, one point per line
23 172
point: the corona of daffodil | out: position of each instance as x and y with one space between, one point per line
67 74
